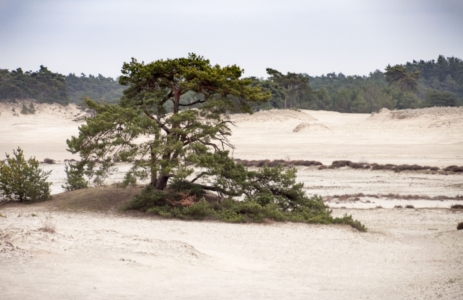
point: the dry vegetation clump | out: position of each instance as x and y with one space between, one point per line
339 164
409 206
456 206
347 163
100 199
48 225
460 226
49 161
393 196
454 169
276 162
398 206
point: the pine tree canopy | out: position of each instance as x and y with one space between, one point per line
171 119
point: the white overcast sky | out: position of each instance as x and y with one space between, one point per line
354 37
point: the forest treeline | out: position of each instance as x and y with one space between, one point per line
49 87
412 85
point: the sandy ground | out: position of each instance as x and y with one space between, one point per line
406 254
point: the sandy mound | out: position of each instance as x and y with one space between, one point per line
314 127
43 111
430 113
272 115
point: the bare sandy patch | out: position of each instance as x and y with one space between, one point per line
96 252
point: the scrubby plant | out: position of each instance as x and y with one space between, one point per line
22 179
255 208
49 161
31 108
75 179
457 206
460 226
24 109
48 225
147 199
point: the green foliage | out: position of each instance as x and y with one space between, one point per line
75 179
291 85
184 186
399 87
399 76
95 87
310 211
25 110
43 85
438 98
23 180
156 107
148 198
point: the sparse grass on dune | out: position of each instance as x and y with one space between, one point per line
115 199
98 199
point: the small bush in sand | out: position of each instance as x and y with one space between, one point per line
409 206
455 169
24 110
457 206
48 161
398 206
48 225
460 226
22 179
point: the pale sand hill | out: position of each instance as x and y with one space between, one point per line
380 139
407 254
42 134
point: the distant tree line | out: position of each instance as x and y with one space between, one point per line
412 85
49 87
95 87
43 85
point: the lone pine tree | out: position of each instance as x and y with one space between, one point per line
170 120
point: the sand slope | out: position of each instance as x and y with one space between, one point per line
406 254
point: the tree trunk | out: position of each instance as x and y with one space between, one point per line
161 182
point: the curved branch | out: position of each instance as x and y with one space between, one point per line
192 103
163 126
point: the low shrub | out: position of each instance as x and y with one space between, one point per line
457 206
455 169
48 225
147 199
22 179
409 206
48 161
340 163
460 226
182 186
163 203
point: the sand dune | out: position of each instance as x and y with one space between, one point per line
311 127
406 254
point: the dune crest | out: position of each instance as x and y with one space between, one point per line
273 115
